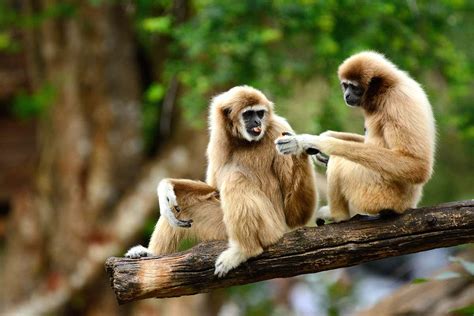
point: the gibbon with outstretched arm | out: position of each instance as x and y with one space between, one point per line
387 168
252 195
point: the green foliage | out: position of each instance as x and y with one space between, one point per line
272 44
160 24
281 46
27 105
466 310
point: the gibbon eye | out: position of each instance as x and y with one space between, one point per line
344 85
247 114
260 114
357 90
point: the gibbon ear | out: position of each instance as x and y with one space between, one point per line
226 112
374 86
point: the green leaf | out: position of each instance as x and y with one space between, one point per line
447 275
419 280
269 35
161 24
467 265
155 92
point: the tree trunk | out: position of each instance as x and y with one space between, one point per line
90 141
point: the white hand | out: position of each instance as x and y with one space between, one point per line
297 144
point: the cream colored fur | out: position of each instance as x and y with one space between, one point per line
386 168
252 195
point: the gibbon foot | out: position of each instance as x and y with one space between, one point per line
360 217
320 222
138 252
228 260
324 213
169 206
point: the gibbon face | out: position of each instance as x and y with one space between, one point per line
353 92
246 112
365 77
253 122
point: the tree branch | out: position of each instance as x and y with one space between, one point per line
306 250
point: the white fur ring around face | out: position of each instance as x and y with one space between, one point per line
169 205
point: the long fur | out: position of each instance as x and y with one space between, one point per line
388 167
388 170
252 195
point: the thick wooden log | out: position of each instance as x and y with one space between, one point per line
306 250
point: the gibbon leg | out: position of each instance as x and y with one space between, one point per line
337 204
337 209
251 222
183 201
165 238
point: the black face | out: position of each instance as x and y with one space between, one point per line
352 93
253 121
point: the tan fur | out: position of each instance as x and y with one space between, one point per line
388 167
252 195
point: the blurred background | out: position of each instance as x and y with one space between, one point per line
101 99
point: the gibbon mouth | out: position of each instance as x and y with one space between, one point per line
255 131
352 104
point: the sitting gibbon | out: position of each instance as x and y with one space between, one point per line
387 168
252 194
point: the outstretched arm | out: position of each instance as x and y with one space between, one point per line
394 164
344 136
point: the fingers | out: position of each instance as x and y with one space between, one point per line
184 223
312 151
322 159
287 145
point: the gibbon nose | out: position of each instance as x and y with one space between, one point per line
257 122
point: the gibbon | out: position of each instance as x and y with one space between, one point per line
252 194
387 168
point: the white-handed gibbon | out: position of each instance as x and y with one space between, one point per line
252 195
387 168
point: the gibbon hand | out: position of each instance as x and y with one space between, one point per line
297 144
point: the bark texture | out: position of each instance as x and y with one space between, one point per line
306 250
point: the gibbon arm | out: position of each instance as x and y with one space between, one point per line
298 188
392 163
345 136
